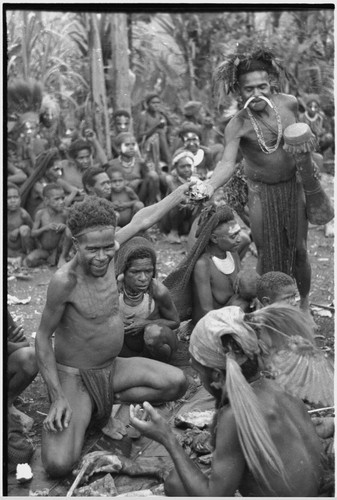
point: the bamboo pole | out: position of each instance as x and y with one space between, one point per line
98 90
120 62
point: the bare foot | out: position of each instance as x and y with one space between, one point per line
252 249
20 419
52 258
329 229
324 426
173 238
61 262
114 429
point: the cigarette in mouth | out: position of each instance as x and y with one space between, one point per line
258 97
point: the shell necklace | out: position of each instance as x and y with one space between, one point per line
260 139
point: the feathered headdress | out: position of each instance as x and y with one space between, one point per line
24 100
290 353
227 74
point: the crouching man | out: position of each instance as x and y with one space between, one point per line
264 441
84 374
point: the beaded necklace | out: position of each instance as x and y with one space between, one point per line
260 139
308 117
132 296
128 164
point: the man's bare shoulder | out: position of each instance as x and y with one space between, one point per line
287 100
236 125
64 280
159 289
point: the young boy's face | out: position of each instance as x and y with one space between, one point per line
184 168
117 182
286 293
13 199
128 147
55 200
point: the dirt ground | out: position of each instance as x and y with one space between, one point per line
34 400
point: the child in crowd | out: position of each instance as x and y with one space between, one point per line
275 287
19 225
246 286
49 229
138 176
124 199
177 223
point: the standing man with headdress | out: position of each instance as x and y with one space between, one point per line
276 198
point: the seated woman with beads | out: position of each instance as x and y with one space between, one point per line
149 314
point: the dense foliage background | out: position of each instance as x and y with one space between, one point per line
173 53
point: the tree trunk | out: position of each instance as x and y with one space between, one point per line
121 94
99 111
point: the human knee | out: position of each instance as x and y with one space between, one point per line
176 385
138 206
152 334
57 465
29 363
33 259
157 335
25 231
153 176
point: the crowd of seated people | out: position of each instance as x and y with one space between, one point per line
74 205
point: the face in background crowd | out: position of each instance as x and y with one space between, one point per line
84 159
191 142
122 123
13 199
102 186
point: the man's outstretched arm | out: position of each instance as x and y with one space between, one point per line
148 216
226 166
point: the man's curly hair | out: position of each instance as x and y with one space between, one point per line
90 213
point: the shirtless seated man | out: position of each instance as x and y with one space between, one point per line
83 373
149 314
264 443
